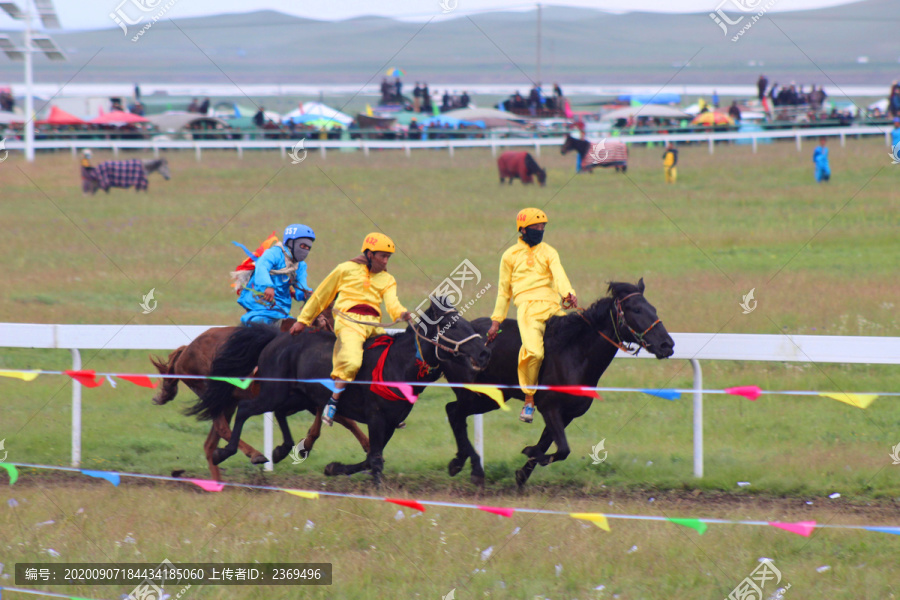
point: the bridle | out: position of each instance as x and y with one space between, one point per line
620 321
439 346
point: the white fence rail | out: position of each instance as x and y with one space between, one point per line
285 146
688 346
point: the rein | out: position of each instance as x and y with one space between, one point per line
347 317
621 321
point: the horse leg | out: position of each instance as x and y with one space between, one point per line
245 410
557 428
458 412
209 448
223 431
534 454
286 446
352 426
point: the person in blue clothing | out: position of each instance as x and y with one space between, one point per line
267 296
820 159
895 139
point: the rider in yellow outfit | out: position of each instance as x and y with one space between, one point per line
531 273
360 285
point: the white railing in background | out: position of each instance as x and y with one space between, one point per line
693 347
285 146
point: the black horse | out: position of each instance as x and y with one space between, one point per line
605 153
444 340
578 348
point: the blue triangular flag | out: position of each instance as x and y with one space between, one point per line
252 256
666 394
326 382
110 476
894 530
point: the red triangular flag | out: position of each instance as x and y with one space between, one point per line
141 380
575 390
503 512
85 378
750 392
407 503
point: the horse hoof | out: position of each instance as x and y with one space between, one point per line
529 451
220 454
455 467
333 469
477 480
521 477
279 453
259 459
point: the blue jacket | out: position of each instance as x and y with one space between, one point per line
820 157
895 136
273 259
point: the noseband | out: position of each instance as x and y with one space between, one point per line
620 321
439 346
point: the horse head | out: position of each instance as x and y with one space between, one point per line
567 145
164 169
541 177
451 340
636 320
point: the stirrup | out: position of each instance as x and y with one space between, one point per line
329 412
527 414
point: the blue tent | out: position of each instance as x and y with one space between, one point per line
651 98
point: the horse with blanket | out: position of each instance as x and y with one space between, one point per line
605 153
122 174
520 165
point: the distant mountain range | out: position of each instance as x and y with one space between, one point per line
850 44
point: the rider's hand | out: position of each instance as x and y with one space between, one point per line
570 301
269 294
493 331
321 322
297 327
407 316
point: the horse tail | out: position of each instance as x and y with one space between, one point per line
236 358
169 388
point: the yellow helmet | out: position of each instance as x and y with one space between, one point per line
530 216
378 242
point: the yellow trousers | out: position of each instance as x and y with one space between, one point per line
532 317
671 174
348 348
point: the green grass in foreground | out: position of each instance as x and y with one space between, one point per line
735 221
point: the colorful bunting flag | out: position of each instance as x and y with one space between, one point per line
503 512
751 392
141 380
13 472
407 503
575 390
664 394
892 530
23 375
110 476
329 383
804 528
407 391
697 524
235 381
303 494
857 400
597 519
85 378
208 485
490 391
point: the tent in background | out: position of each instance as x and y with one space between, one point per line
58 116
320 110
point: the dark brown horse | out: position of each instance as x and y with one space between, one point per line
196 359
605 153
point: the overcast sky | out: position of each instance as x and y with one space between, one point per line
79 14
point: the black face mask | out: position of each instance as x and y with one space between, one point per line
532 237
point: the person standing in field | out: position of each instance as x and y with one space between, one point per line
358 287
820 160
895 137
670 163
532 275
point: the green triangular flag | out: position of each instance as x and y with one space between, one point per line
235 381
697 524
13 472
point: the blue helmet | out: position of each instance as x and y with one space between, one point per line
297 230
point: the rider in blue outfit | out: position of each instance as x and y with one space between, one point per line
267 296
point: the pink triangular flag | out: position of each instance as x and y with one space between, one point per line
804 528
407 391
503 512
751 392
208 485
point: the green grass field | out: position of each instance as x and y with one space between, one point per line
822 260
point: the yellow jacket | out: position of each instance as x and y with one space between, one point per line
352 283
528 273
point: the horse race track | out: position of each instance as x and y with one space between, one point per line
822 260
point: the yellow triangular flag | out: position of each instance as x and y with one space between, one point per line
857 400
491 392
23 375
302 494
598 519
369 109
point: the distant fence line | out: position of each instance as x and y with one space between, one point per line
322 146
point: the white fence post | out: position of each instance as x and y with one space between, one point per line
843 139
798 142
537 148
479 436
712 145
240 151
754 144
197 151
322 151
283 151
450 148
268 438
698 418
76 410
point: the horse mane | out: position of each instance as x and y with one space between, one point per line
562 331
